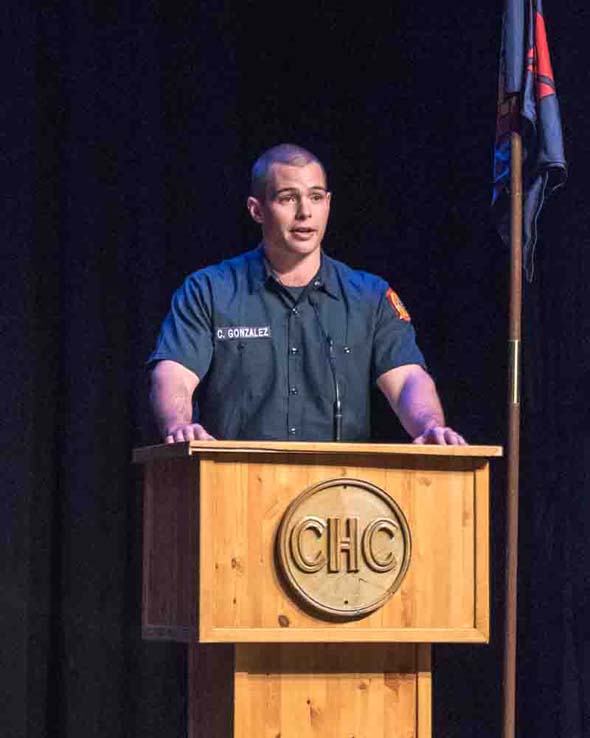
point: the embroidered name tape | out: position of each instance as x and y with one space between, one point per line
242 331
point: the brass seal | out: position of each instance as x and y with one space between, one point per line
343 548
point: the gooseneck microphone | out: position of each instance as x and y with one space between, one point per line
337 413
337 401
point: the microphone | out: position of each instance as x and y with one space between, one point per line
337 400
337 412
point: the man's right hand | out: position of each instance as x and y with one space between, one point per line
191 432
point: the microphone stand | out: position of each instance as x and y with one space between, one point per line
337 428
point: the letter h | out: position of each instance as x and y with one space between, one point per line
339 543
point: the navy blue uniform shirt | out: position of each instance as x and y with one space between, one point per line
261 350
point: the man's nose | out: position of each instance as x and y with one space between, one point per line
303 208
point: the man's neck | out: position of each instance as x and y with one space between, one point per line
293 272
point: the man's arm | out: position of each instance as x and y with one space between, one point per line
412 394
171 397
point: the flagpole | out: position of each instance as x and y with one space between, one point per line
514 356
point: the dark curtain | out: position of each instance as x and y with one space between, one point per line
129 129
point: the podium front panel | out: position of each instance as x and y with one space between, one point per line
443 596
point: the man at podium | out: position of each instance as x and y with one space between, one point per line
284 342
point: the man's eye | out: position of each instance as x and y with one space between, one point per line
287 198
317 197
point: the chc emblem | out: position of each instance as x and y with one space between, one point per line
343 547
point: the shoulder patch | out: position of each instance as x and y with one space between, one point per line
397 305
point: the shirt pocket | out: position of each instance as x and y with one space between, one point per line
258 367
226 369
242 364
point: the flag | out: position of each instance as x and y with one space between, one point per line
527 103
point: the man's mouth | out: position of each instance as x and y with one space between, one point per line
302 229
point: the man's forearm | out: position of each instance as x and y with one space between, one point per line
418 406
171 396
412 394
171 408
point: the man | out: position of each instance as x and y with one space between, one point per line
283 340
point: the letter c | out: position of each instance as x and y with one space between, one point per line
318 526
387 562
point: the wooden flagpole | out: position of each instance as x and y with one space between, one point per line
513 456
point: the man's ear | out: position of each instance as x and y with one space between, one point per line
255 209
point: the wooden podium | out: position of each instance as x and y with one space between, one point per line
213 516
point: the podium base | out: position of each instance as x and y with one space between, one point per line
324 690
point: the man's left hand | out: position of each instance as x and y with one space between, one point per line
440 435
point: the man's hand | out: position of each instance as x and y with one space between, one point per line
441 435
191 432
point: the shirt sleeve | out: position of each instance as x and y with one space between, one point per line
394 342
186 334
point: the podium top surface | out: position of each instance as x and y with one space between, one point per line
197 448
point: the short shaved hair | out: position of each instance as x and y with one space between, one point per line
286 153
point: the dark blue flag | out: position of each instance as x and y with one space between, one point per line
527 103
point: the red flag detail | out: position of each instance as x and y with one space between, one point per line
539 61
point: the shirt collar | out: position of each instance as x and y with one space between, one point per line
326 279
257 273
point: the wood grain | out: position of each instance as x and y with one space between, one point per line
326 691
243 500
211 514
482 558
170 535
191 448
424 685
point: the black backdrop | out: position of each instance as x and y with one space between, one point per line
129 131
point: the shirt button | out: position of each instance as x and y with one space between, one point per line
317 283
295 311
294 350
294 390
347 349
292 431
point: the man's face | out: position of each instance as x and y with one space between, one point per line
295 210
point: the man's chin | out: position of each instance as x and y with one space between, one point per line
295 248
303 247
